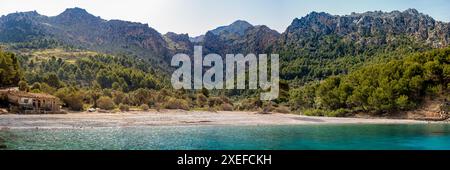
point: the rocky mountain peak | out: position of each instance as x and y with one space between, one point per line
412 11
76 15
75 12
318 22
177 37
22 15
241 23
315 15
238 27
371 27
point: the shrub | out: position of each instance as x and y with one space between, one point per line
249 104
282 109
337 113
36 86
214 101
402 102
225 99
35 91
124 107
227 107
174 103
313 112
328 113
23 86
74 101
72 98
105 103
202 100
118 97
47 89
144 107
434 90
140 96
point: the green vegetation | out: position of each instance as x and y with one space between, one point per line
107 82
71 97
174 103
10 74
144 107
338 78
109 72
38 44
317 58
124 107
400 84
107 103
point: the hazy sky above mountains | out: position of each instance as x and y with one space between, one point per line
198 16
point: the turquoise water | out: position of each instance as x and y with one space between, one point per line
292 137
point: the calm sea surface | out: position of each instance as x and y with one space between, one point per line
289 137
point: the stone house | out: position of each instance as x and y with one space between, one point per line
32 103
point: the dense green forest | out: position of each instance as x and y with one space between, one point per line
105 81
10 73
392 79
118 73
316 58
382 87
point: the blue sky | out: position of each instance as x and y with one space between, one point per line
197 16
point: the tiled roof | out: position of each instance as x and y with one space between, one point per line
31 95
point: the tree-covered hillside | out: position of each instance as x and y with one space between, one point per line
382 87
121 72
330 55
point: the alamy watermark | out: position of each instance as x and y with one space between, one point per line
235 68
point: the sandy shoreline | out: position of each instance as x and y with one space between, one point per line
175 118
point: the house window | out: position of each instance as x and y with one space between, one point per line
25 100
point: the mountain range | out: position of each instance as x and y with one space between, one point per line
373 63
304 37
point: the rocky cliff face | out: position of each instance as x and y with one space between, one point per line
240 37
78 28
370 28
18 27
178 43
336 35
259 39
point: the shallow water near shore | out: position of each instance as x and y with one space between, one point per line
267 137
